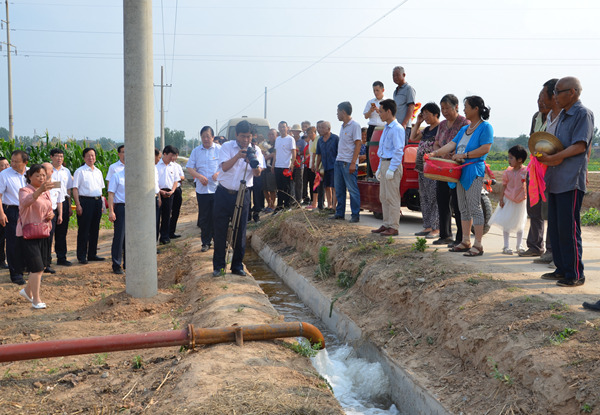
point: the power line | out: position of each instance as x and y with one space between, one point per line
173 56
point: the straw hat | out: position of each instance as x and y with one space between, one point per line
296 127
543 141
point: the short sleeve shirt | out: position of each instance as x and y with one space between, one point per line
404 96
88 182
241 170
446 134
283 151
328 151
349 134
116 185
374 119
206 162
10 183
574 125
514 182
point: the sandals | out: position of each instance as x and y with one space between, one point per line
507 251
474 251
461 247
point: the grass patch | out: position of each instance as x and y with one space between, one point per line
420 245
304 348
591 217
561 336
472 281
502 377
324 269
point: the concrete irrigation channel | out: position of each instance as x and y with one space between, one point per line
405 392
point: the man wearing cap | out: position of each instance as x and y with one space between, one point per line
566 183
235 168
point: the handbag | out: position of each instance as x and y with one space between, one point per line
36 231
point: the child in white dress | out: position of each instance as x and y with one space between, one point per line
511 212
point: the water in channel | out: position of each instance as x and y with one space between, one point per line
360 387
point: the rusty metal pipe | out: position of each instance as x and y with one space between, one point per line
187 337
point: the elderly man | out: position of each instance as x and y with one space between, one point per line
404 95
203 166
566 183
389 172
235 168
11 180
327 149
346 164
535 236
87 192
63 175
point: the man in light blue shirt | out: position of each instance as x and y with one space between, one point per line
346 162
389 172
116 214
203 166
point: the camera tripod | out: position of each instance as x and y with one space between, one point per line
234 224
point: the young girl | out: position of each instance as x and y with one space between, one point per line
511 213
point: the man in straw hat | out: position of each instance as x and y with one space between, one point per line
566 183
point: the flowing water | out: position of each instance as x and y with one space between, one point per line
360 387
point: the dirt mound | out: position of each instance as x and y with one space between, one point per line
478 343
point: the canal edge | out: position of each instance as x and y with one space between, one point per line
405 391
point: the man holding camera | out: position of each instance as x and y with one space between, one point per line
238 163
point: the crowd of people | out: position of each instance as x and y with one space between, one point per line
309 167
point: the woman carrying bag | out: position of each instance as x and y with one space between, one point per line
33 230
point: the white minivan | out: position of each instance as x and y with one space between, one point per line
261 125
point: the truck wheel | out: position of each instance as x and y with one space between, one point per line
486 206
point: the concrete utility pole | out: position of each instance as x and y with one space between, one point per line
162 107
140 211
11 128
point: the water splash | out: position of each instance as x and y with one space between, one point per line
357 384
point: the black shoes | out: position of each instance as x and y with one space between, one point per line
216 273
96 258
83 261
165 241
64 263
592 306
555 276
118 270
334 217
17 279
174 236
4 265
570 282
240 272
49 270
443 241
354 219
204 248
529 253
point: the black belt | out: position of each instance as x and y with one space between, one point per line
231 192
120 204
386 159
10 206
90 197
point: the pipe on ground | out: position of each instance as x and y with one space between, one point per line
189 337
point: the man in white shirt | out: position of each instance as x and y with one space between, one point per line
63 175
371 114
346 164
56 197
235 168
118 165
285 154
177 196
167 182
88 183
389 173
203 166
116 214
11 181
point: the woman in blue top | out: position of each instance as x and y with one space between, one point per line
472 144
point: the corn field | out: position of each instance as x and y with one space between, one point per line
72 151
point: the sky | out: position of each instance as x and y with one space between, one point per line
311 55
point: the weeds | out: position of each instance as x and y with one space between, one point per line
559 306
472 281
100 359
325 384
562 336
178 286
513 289
502 377
324 269
138 362
175 323
586 408
591 217
240 309
420 245
304 348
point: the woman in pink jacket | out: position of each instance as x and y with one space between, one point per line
35 207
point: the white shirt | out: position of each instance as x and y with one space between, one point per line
114 169
206 162
283 151
66 180
374 119
88 182
156 188
56 197
178 173
231 178
116 185
166 175
10 183
349 134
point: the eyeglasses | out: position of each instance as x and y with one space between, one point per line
556 91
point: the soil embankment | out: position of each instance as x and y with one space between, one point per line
480 344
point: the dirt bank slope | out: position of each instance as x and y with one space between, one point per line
480 344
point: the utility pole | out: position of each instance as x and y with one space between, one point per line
265 103
162 108
11 130
140 227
